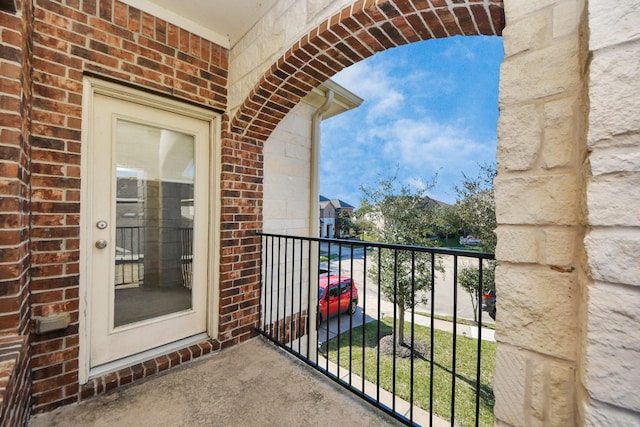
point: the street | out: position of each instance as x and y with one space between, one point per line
353 264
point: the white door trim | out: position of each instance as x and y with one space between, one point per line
91 87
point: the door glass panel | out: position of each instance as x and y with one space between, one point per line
154 222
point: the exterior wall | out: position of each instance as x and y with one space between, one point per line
287 180
538 194
285 24
115 41
15 176
328 225
566 302
611 342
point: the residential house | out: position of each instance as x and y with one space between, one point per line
330 212
327 218
192 94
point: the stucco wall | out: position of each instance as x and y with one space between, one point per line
611 352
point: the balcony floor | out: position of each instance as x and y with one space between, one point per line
251 384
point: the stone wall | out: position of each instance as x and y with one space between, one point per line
611 342
287 182
270 38
538 194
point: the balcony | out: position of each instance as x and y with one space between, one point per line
442 371
354 377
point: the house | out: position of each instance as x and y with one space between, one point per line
182 97
330 212
327 218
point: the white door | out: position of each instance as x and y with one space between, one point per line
147 227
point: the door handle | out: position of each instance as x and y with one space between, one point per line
101 244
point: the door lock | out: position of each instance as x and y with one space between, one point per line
101 244
101 225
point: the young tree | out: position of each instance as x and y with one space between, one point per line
469 279
477 211
403 216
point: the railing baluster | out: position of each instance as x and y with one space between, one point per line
479 361
299 333
378 327
364 313
432 335
413 323
455 332
339 308
309 331
395 326
351 318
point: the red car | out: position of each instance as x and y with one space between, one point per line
336 294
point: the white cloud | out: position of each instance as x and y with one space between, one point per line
459 49
417 114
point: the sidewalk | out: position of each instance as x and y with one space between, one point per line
470 331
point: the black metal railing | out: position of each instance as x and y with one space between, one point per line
129 256
443 357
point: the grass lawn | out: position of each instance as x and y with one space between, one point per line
454 243
466 362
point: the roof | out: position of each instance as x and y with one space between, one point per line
337 203
341 204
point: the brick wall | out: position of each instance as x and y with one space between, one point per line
544 39
241 217
110 39
15 98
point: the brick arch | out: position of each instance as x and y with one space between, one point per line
355 33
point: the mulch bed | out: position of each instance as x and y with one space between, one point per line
420 349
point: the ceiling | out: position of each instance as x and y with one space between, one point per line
221 21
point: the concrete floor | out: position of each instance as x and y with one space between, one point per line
251 384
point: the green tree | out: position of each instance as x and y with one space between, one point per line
447 221
344 224
476 209
403 216
469 278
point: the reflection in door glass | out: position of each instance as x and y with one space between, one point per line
154 222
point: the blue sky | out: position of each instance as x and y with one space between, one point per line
429 107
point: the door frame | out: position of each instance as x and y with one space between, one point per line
91 87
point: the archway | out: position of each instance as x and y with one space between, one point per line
352 35
540 157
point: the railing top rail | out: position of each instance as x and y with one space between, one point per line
426 249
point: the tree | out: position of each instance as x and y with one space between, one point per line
447 221
476 209
344 224
469 279
403 216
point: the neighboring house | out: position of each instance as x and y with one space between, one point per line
330 212
327 218
190 95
